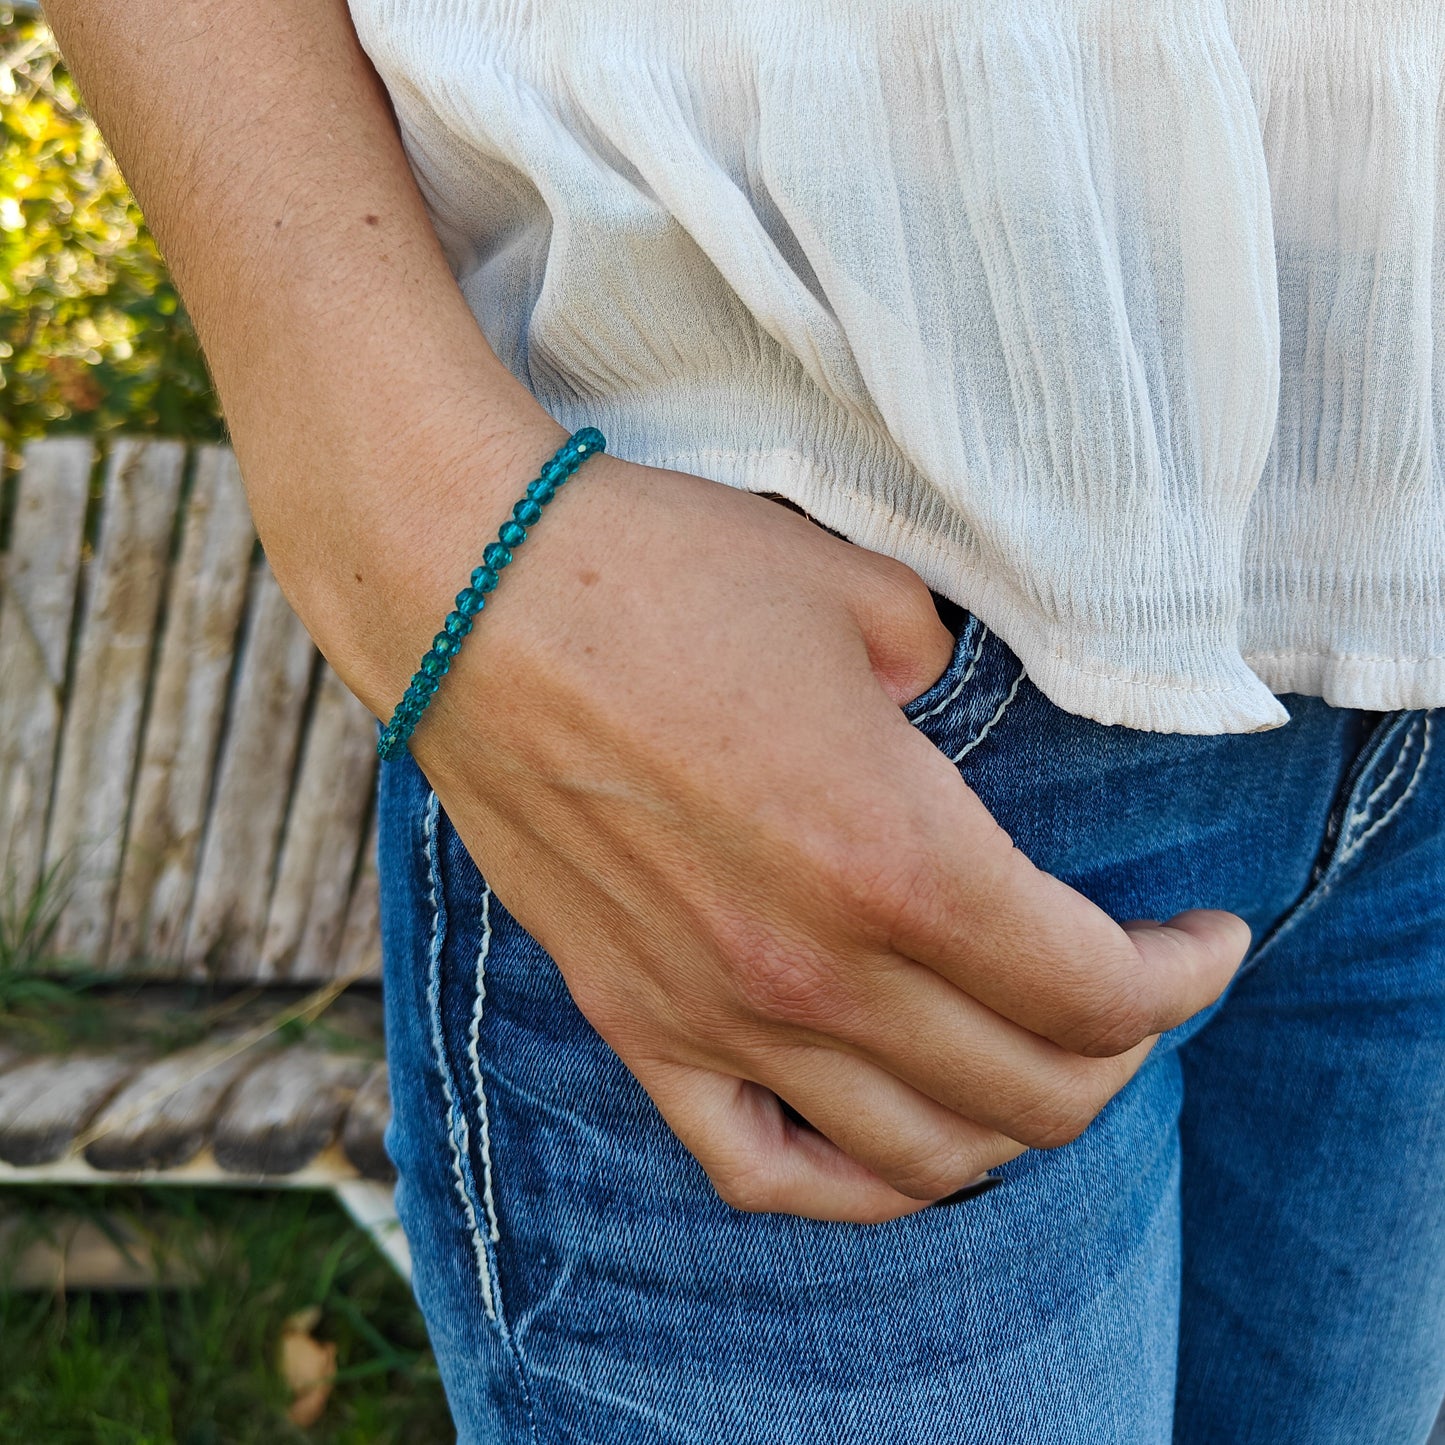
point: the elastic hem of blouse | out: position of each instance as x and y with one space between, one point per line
1376 684
1223 695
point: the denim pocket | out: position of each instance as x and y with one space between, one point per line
981 680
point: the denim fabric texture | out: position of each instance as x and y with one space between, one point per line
1247 1246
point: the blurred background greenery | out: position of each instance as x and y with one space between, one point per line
93 337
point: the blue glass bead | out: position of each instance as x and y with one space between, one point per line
526 512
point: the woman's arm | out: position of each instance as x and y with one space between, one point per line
359 391
674 744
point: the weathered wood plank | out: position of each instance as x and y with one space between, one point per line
243 832
101 731
44 1104
162 1117
366 1121
39 598
280 1117
207 593
323 837
359 955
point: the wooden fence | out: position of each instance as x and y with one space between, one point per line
178 765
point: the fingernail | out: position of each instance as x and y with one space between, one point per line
969 1191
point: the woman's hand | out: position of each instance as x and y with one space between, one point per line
674 743
674 746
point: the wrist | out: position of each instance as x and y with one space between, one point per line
372 544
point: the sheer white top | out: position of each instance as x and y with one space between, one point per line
1115 319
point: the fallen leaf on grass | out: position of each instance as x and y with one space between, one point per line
307 1365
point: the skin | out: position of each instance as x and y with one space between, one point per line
674 743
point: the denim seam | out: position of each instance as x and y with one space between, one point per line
456 1123
489 1202
1358 842
1362 814
957 688
1344 852
988 727
479 1087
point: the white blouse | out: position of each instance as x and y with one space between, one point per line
1114 319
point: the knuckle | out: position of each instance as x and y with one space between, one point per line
1112 1019
931 1177
882 887
746 1189
1057 1124
1057 1111
901 581
1113 1029
932 1162
784 982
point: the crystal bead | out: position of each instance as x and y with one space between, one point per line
527 512
541 492
512 534
556 471
484 579
470 601
588 440
457 625
434 665
445 645
496 556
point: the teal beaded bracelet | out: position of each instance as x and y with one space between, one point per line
471 599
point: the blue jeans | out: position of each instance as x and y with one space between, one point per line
1247 1245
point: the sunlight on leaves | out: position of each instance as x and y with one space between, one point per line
92 333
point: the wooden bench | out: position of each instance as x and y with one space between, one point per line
186 807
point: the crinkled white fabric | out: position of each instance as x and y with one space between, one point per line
1115 319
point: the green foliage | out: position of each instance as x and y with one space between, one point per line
93 337
198 1366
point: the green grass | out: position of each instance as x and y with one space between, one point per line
198 1366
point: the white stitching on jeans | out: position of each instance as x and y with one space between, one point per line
1362 813
957 688
1357 843
456 1123
1327 880
984 731
473 1057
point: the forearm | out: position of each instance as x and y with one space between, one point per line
262 149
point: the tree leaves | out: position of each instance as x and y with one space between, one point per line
93 336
